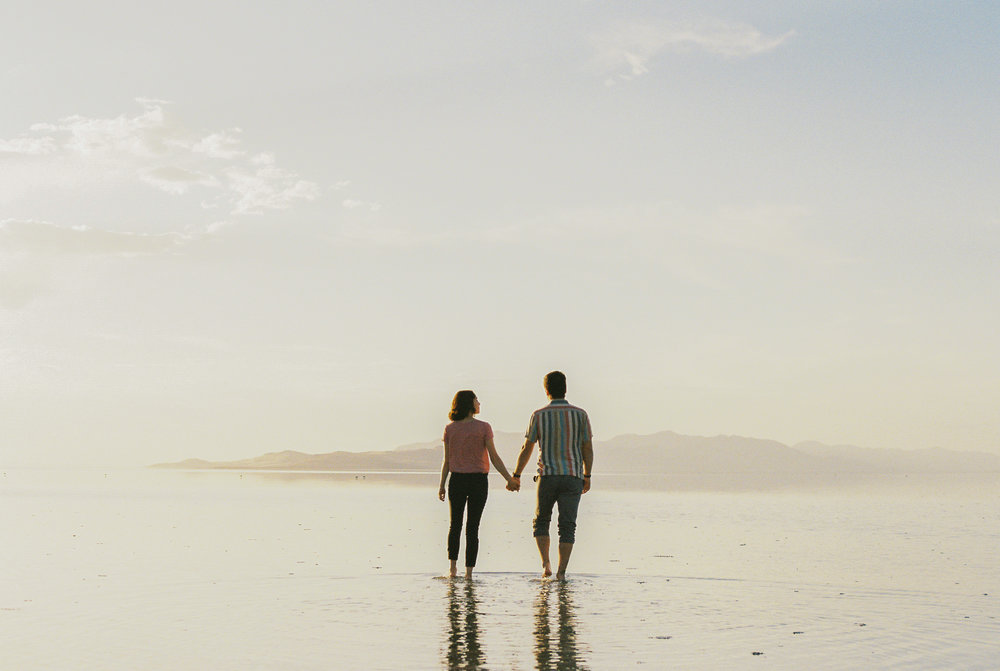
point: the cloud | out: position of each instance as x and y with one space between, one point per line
627 50
29 146
267 188
353 204
176 180
150 147
34 237
31 252
220 145
143 135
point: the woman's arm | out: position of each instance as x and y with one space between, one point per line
496 460
444 472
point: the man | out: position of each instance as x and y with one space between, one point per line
565 457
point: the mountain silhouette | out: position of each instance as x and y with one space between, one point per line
665 452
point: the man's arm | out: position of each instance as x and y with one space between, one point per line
588 463
522 459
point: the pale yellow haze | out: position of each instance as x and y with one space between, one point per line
231 229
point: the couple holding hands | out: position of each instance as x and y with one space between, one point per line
565 458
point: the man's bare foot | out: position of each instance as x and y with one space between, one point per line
546 570
561 575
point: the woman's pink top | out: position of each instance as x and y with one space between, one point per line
466 444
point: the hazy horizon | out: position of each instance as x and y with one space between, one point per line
229 229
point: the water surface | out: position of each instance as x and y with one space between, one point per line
223 570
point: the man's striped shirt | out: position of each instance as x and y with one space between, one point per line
560 429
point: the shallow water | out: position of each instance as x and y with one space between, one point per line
222 570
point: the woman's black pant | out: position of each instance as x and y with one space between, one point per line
466 489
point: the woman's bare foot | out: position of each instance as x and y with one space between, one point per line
468 573
453 571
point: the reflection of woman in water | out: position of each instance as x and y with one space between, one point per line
468 451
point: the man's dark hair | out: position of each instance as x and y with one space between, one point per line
555 384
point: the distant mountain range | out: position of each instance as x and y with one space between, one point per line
665 453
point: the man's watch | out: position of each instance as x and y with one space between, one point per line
516 475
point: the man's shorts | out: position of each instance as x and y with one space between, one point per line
564 490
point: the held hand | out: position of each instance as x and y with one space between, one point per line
513 485
441 493
586 485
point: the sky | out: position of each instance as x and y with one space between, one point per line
232 228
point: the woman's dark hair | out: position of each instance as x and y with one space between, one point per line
555 384
461 405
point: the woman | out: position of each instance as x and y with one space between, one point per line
468 451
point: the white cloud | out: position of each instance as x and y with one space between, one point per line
33 253
217 226
220 145
267 188
353 204
152 148
176 180
627 50
34 237
144 135
30 146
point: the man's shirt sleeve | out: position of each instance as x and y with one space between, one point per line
532 433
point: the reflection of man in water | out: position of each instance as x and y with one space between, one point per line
565 457
561 654
464 650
